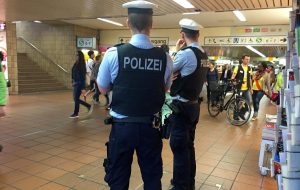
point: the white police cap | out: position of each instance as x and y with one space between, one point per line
140 6
188 25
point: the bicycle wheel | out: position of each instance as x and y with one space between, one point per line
238 111
213 108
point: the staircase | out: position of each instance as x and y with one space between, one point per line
33 79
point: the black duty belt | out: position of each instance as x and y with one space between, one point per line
146 119
188 102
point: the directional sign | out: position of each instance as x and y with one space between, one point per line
86 42
245 40
156 41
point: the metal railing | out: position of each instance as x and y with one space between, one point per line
43 54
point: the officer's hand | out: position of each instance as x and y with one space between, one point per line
180 44
175 75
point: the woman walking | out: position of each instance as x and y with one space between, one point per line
211 82
78 83
261 86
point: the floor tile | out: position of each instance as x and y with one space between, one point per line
46 150
30 183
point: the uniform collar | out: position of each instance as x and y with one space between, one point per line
196 44
139 39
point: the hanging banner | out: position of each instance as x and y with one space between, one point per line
245 40
156 41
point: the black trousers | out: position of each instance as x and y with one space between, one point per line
124 139
76 96
182 138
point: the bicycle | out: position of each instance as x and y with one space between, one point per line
238 110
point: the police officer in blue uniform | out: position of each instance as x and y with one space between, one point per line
185 91
139 74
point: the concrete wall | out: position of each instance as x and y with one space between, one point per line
57 42
12 58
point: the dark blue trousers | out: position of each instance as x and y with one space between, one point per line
182 138
124 139
256 97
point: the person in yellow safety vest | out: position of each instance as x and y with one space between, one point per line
261 86
279 84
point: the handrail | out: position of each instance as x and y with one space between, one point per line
43 54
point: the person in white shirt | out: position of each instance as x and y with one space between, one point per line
89 67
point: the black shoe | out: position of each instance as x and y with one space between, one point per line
74 116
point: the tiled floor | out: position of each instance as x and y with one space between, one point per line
45 150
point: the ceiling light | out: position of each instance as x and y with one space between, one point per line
255 51
239 15
109 21
184 4
37 21
15 22
191 13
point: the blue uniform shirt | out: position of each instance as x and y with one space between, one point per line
186 63
109 67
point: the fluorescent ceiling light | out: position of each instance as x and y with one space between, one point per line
255 51
110 21
191 13
184 4
15 22
240 16
37 21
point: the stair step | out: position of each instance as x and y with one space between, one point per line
29 90
48 81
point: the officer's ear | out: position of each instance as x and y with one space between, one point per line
128 23
182 35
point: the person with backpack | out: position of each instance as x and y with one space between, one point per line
261 82
242 74
94 75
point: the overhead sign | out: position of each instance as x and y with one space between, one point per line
86 42
245 40
156 41
260 30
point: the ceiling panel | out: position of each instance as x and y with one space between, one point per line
256 3
254 17
277 3
285 3
242 4
263 4
236 5
270 3
250 4
203 6
228 4
209 4
12 10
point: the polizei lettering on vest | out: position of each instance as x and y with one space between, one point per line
142 64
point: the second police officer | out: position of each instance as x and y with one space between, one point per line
185 93
139 74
